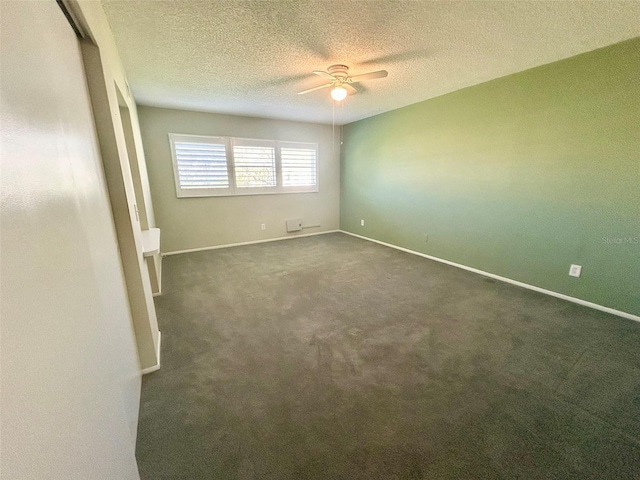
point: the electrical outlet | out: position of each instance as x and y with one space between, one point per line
575 270
361 223
263 226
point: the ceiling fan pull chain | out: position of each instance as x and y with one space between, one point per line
333 126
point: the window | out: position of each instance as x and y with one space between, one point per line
254 163
201 165
298 164
218 166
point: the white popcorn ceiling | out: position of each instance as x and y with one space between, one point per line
250 57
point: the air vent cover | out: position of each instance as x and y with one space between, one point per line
294 225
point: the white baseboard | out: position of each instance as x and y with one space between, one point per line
277 239
505 279
155 367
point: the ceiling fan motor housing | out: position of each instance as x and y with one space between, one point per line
340 71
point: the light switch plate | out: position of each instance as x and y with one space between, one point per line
575 270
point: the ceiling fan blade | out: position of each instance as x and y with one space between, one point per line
315 88
350 90
324 74
368 76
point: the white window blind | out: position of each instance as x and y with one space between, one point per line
298 164
202 165
254 163
220 166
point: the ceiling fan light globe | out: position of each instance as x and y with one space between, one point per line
339 94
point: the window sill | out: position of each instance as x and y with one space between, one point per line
244 194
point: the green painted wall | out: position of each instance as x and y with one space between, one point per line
520 176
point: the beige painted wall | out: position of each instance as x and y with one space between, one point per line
188 223
70 379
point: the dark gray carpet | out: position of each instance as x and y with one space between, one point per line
330 357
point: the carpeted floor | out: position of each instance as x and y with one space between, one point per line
330 357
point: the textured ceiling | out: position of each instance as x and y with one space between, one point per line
250 57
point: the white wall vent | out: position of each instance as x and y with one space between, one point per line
294 225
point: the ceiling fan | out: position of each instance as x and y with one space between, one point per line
339 79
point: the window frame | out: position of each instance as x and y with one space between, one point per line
233 190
